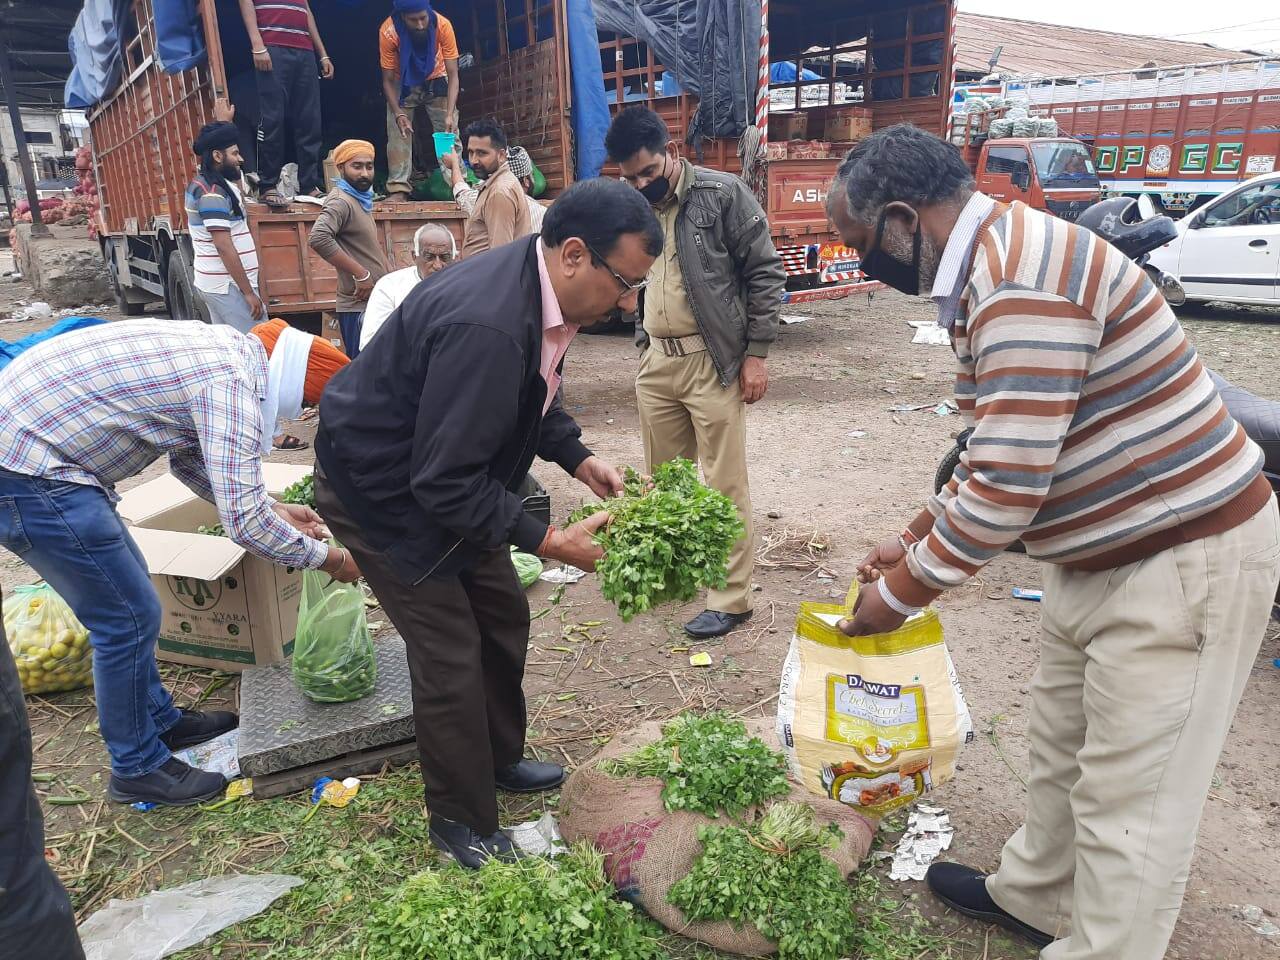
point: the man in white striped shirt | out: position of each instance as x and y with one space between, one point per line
226 259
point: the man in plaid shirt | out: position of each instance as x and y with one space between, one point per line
85 410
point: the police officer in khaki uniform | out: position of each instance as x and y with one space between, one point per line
710 314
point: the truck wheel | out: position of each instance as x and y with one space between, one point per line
130 302
181 296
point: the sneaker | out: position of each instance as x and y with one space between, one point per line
173 784
469 848
964 890
196 726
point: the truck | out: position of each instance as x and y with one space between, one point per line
1054 174
1181 135
888 62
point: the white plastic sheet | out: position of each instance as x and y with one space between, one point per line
166 921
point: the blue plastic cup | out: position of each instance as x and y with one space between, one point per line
444 142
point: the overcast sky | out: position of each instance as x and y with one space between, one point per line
1236 25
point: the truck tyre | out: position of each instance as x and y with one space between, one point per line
130 301
181 296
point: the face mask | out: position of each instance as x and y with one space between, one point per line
878 265
656 190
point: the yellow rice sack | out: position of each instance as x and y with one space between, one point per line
876 721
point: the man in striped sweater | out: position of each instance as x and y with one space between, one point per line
1101 443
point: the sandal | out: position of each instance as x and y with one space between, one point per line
290 442
274 198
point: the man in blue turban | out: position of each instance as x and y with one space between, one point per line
418 51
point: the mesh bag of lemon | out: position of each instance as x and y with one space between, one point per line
50 645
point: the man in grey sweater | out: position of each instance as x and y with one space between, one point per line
346 236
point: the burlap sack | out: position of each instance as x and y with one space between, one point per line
648 849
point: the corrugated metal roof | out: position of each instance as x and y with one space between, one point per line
1050 50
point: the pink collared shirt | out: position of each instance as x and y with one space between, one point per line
557 334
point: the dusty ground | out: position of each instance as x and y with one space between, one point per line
837 373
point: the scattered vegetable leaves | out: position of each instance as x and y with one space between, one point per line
668 538
212 530
708 764
772 875
531 908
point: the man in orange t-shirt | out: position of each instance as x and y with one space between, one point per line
418 52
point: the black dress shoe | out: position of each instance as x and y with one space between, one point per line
174 784
713 623
196 726
529 776
964 890
468 847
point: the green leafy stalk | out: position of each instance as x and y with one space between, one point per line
773 875
303 492
708 764
666 539
532 908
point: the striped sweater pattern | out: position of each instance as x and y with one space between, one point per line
1098 437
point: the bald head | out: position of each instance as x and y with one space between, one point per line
433 249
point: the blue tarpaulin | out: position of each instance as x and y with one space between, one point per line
590 109
712 47
179 41
94 43
8 351
785 72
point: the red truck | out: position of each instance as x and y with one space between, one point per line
887 62
1181 135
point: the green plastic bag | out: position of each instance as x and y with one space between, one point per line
333 659
528 567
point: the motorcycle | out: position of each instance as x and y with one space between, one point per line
1135 228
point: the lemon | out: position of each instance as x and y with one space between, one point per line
60 650
43 654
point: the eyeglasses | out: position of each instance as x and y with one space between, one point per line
440 257
627 286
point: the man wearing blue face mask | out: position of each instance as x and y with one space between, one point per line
709 316
347 237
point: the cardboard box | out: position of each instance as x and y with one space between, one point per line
331 330
847 124
221 606
789 126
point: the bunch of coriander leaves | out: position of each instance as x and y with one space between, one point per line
303 492
668 538
531 908
708 764
772 874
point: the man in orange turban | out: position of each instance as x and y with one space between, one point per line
345 235
88 409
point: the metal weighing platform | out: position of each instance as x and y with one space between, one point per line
288 741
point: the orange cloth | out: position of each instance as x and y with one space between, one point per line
389 45
323 359
348 150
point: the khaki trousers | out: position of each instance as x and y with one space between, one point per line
1141 669
399 150
685 412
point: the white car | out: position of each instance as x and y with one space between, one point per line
1229 249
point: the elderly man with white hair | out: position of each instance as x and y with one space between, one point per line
434 248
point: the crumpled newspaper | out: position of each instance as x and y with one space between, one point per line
219 755
538 838
929 833
562 574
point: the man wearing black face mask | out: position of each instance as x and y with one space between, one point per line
710 314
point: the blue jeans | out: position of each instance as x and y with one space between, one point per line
71 534
349 322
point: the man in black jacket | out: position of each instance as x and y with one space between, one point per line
422 444
710 316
